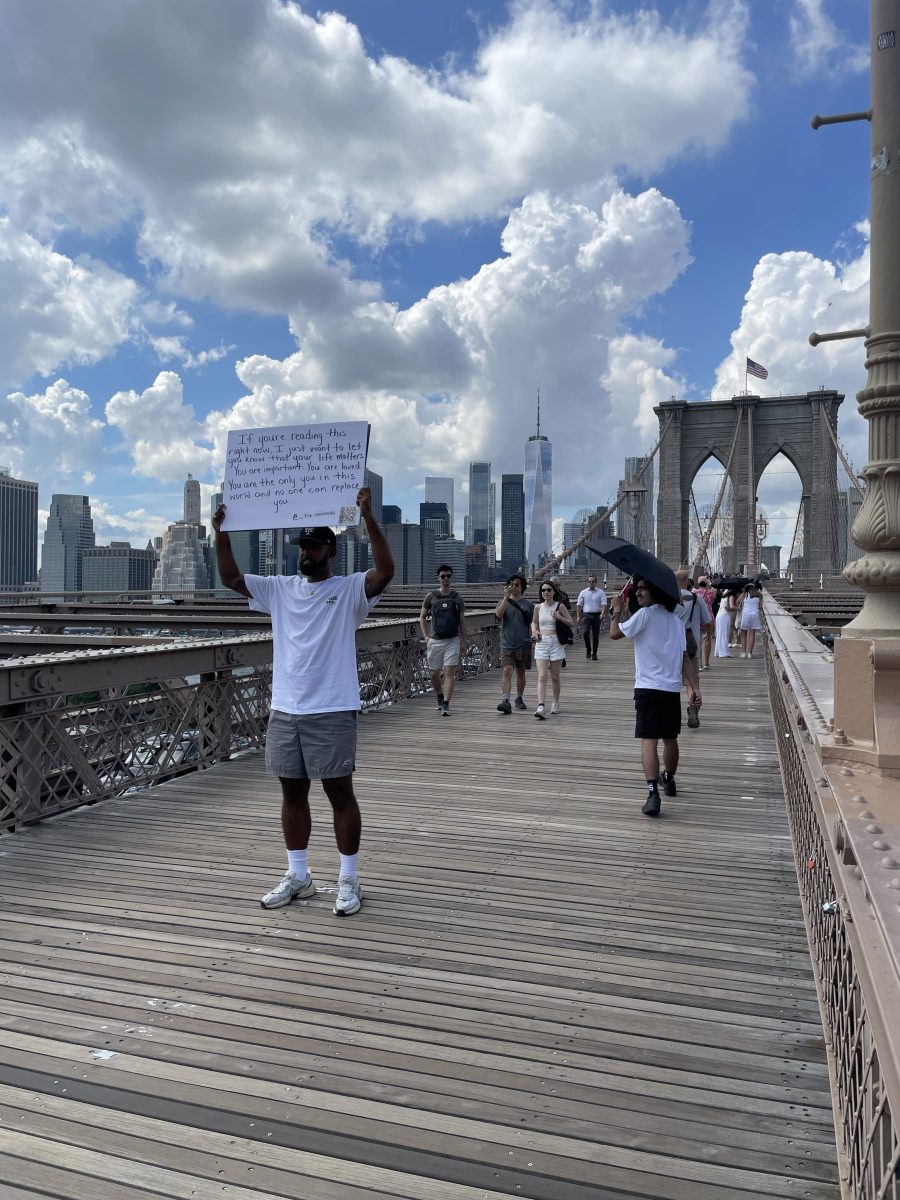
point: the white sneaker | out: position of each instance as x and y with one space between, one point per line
290 888
554 709
349 897
539 713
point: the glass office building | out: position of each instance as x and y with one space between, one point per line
538 496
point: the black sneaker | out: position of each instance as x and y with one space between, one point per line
693 721
589 655
668 782
563 665
504 706
521 705
440 701
652 805
593 658
445 708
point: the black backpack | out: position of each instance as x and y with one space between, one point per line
444 615
565 633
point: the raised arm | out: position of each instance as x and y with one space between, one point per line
382 571
616 606
229 571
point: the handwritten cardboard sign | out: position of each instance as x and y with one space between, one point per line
294 475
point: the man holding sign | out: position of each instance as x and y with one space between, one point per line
315 691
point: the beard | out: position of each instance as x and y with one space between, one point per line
309 565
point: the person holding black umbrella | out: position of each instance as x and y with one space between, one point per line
661 660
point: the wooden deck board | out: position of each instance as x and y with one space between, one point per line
546 994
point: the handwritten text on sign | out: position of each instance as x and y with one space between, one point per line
294 475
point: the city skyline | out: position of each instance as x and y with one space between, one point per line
628 223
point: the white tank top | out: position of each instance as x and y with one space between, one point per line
751 606
547 619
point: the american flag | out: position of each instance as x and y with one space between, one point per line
753 368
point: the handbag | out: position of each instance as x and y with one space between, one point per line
565 633
690 641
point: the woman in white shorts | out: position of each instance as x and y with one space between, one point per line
751 608
549 652
723 627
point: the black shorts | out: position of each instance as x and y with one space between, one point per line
658 713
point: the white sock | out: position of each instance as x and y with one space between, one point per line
506 695
348 866
297 862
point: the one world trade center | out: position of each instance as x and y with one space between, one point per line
538 494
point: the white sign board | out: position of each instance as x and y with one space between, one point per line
294 475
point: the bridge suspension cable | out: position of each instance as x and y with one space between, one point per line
704 540
552 566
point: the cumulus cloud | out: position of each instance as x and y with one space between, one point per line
173 348
50 436
791 295
159 429
548 313
817 43
55 311
137 525
240 176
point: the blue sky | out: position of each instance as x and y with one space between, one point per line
247 212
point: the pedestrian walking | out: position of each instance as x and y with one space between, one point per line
751 618
549 652
708 594
590 610
515 614
315 691
444 609
723 627
697 619
660 660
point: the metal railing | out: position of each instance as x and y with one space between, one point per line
82 726
853 956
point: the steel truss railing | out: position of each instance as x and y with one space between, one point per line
855 965
84 726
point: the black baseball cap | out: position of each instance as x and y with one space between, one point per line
319 535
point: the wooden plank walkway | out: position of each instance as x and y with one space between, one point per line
546 994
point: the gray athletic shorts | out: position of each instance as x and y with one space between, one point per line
318 746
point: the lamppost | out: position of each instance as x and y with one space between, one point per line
762 531
634 492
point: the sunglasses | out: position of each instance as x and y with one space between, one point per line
445 576
547 590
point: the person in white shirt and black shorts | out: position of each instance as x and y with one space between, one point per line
660 660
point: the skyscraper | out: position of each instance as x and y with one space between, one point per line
185 560
70 530
376 483
439 490
479 526
538 494
435 515
512 523
118 567
18 530
191 501
244 547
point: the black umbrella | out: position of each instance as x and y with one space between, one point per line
734 583
631 560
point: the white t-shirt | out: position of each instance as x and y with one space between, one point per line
591 601
314 628
659 646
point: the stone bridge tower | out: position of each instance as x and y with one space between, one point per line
791 425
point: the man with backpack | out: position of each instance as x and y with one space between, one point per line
445 608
